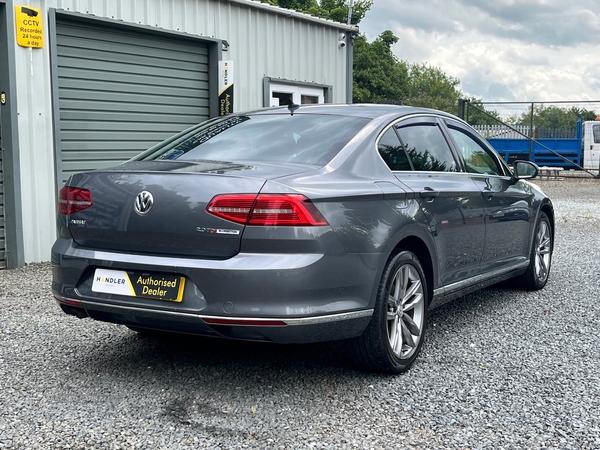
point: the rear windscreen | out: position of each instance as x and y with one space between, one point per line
301 138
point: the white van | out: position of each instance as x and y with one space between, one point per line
591 145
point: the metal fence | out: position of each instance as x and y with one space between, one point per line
502 131
524 132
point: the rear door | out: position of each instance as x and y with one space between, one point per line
507 205
449 200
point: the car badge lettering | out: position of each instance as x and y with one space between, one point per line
143 203
217 231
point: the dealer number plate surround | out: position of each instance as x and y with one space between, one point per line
158 286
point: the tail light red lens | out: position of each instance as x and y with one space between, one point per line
232 207
293 210
267 210
72 200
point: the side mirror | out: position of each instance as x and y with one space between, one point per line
524 170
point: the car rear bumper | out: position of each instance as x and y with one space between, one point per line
287 298
300 330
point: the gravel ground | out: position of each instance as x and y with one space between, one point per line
500 369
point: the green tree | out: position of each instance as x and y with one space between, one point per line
378 75
430 87
336 10
299 5
555 116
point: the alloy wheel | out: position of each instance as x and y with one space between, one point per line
543 250
405 311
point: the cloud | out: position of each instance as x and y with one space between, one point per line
500 49
544 23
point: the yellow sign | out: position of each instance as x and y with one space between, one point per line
30 31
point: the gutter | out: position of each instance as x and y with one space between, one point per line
293 14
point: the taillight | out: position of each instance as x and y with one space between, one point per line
72 200
232 207
294 210
267 210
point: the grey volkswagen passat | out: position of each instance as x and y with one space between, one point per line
302 225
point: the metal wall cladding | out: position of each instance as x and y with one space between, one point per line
264 41
277 47
34 123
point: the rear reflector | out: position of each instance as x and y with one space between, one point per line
72 200
67 301
267 210
244 322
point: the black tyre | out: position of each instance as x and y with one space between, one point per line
537 273
395 334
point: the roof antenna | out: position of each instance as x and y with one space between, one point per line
292 107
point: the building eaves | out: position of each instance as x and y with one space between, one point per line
295 14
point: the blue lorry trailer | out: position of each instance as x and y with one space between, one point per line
537 150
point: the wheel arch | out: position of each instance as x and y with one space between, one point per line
417 246
549 210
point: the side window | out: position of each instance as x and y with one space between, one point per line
596 129
427 148
391 150
477 158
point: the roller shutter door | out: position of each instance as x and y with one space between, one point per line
121 90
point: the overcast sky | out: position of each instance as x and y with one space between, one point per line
501 50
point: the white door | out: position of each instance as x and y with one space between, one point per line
591 146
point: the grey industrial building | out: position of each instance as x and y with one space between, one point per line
98 81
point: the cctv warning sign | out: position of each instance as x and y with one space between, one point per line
30 31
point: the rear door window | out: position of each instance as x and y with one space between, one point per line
427 148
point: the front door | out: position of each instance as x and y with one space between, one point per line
507 205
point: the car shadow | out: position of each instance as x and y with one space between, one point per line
137 355
134 353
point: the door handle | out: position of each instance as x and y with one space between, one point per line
430 193
488 194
